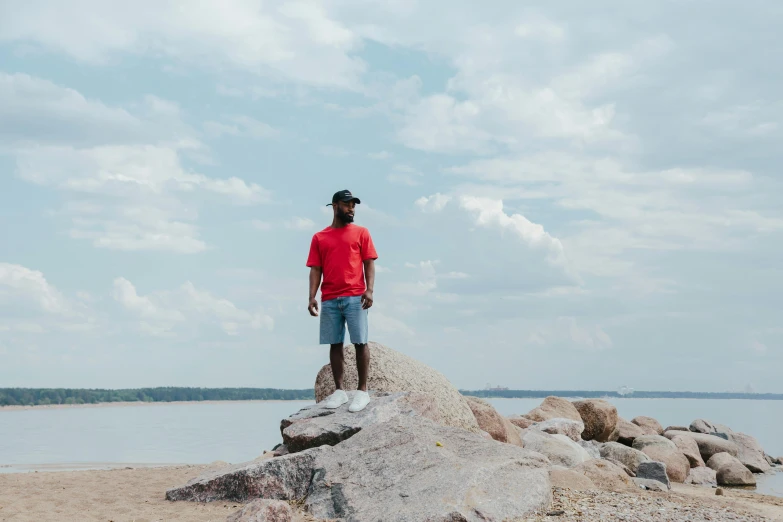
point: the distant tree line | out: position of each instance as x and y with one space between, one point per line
45 396
592 394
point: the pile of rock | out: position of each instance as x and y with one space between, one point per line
422 451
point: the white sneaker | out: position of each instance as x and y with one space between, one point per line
335 400
360 401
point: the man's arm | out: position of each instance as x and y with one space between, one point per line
315 282
369 278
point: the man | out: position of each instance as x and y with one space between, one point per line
343 255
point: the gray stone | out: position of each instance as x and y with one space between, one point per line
592 447
652 440
397 472
568 427
281 478
627 456
702 476
263 510
654 471
650 484
676 428
730 471
709 445
392 371
702 426
317 426
649 425
750 452
559 449
599 417
689 448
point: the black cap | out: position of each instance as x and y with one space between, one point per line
345 196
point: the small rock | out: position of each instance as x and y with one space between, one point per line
719 492
568 427
555 513
599 417
654 471
702 476
651 485
649 425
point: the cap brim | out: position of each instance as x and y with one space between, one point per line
355 200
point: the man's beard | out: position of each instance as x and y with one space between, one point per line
344 216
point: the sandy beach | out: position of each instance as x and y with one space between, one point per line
132 404
137 495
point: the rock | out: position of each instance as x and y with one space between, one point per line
676 428
395 471
702 476
281 478
280 450
769 459
689 448
493 422
750 452
651 485
625 432
263 510
779 461
599 417
622 467
520 421
677 466
606 475
709 445
652 440
568 427
554 408
570 479
592 447
719 492
392 371
702 426
559 449
654 471
627 456
648 425
316 425
730 471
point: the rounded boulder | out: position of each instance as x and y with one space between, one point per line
599 418
554 408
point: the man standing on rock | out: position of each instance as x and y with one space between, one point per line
344 255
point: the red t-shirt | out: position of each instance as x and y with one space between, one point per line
341 253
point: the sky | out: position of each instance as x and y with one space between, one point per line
563 195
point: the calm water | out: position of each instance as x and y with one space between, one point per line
79 438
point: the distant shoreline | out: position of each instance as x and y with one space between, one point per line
126 404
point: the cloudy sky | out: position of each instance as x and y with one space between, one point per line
562 195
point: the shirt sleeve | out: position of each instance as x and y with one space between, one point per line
314 258
367 246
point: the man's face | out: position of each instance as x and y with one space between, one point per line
345 211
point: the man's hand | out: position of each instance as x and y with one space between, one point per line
366 299
313 307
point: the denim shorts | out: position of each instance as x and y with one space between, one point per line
336 313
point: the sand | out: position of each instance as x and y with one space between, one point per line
138 495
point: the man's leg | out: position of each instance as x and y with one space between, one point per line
338 364
362 364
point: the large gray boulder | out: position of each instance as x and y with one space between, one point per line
559 449
627 456
407 469
392 371
689 448
709 445
750 452
702 426
489 420
570 428
554 408
316 425
398 472
599 417
649 425
654 471
730 471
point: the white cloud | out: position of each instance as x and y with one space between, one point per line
279 40
241 126
24 283
405 175
434 203
381 155
173 313
300 223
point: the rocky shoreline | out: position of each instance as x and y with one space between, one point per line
422 452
